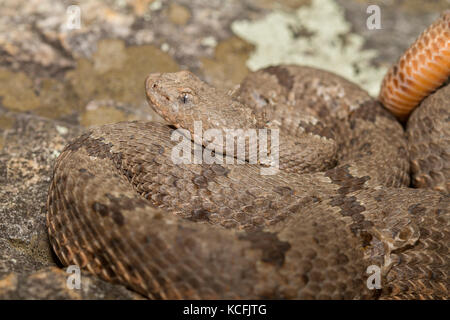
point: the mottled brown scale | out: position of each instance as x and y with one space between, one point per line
428 133
119 207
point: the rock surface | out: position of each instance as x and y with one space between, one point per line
51 284
55 81
28 268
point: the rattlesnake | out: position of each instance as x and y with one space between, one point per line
121 208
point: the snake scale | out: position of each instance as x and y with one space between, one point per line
342 202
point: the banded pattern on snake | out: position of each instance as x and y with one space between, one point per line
119 206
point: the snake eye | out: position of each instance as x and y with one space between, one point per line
186 96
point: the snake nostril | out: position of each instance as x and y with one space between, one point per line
151 82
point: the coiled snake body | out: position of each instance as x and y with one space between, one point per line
340 205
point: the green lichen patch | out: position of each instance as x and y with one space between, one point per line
119 78
178 14
270 4
115 73
38 248
16 91
6 122
57 99
104 114
228 67
317 35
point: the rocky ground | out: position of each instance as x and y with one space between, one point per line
56 80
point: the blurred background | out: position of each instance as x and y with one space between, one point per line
84 62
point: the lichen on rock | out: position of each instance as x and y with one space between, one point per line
302 37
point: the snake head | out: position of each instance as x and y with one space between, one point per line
178 97
182 98
172 94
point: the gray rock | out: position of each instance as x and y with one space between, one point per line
51 284
28 269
